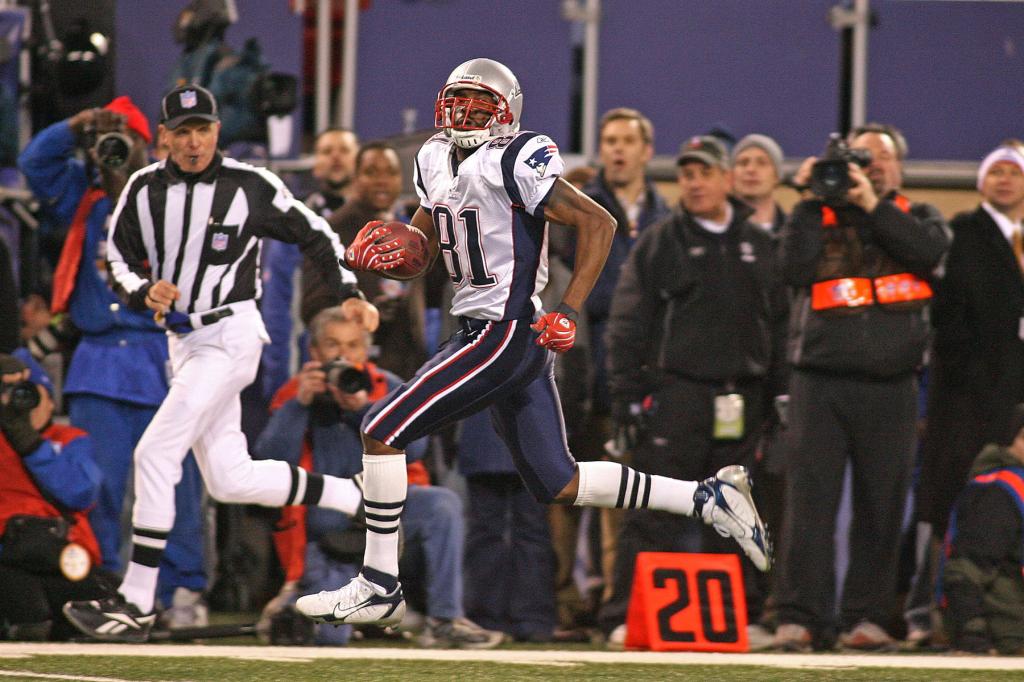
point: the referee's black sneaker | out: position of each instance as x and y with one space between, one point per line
110 620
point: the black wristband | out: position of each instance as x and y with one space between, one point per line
567 310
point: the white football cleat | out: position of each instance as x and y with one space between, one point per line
724 502
361 601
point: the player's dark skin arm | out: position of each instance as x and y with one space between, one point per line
595 228
424 222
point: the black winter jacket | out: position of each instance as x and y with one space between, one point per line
696 304
874 341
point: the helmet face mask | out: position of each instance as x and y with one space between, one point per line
472 120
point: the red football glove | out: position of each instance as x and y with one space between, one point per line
557 331
374 249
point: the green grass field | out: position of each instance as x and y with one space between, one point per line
224 670
227 664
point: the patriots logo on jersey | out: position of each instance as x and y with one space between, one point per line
538 161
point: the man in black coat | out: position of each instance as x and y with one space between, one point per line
978 314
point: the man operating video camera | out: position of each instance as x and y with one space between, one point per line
859 255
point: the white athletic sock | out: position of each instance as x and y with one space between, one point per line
341 494
607 484
139 585
384 488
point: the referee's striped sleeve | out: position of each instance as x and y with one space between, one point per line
126 253
296 223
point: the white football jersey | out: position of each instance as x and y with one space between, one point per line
489 215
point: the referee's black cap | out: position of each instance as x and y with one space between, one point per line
188 102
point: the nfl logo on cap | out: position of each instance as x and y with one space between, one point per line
188 99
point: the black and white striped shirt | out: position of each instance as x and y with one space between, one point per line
202 232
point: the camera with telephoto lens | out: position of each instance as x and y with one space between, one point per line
112 149
22 396
830 175
349 378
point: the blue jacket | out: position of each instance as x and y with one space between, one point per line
61 471
599 303
337 448
280 262
114 337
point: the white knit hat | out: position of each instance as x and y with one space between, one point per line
1004 153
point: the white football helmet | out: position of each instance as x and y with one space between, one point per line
470 121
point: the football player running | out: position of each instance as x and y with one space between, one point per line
486 192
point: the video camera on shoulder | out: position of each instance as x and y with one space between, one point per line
830 175
22 396
349 378
112 148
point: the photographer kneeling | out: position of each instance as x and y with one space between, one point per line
859 256
315 424
48 553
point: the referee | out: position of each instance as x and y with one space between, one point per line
185 244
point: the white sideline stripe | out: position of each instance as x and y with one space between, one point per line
57 676
525 657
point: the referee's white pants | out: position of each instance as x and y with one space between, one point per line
202 411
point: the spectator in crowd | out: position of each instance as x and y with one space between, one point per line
983 557
978 359
625 147
509 558
859 263
375 188
117 376
204 291
334 165
334 158
757 172
690 354
49 481
315 424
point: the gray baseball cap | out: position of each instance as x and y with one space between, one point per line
705 149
